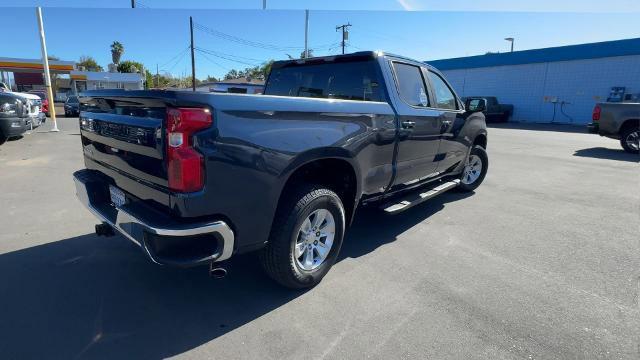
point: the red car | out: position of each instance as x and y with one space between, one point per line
43 96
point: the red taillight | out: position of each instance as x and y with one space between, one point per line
185 167
596 113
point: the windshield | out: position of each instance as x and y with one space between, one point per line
72 99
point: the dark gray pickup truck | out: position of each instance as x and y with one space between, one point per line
195 178
619 121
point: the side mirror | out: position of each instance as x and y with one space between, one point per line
475 105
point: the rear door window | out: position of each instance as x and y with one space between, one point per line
353 80
411 84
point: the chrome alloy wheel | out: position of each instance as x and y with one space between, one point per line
314 240
633 140
472 170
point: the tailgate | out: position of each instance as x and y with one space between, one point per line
123 137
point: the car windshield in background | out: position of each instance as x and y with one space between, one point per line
355 80
72 99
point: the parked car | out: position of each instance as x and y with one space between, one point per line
72 106
33 108
43 96
194 178
13 119
618 121
495 111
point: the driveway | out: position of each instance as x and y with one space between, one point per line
542 261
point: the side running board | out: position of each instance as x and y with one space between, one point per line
412 199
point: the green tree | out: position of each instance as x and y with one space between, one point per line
130 66
265 69
89 64
117 49
232 74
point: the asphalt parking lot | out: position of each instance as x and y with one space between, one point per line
542 262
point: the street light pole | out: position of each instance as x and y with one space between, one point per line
306 34
511 40
47 75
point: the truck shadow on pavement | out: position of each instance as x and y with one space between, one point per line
94 297
609 154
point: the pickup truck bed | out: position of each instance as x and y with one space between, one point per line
194 178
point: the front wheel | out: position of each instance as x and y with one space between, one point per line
630 139
475 169
306 237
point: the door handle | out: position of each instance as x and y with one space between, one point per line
408 124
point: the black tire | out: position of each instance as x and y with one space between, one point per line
3 138
277 257
481 153
624 134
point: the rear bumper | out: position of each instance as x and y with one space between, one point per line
13 126
164 240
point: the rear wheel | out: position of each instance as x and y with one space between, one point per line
630 139
475 169
3 138
306 237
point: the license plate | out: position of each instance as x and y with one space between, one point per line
117 196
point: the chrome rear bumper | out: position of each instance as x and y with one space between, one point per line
128 220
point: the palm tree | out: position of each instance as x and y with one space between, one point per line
116 51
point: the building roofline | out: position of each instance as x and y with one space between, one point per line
596 50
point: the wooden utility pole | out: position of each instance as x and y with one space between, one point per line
193 59
133 4
345 34
47 75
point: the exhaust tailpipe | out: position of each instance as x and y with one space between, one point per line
217 272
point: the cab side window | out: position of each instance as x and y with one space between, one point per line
444 96
411 84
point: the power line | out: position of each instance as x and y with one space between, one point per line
184 53
232 55
175 57
212 61
242 41
226 57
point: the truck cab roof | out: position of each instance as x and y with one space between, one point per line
360 55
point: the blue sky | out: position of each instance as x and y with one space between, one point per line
160 36
414 5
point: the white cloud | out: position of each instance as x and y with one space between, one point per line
410 5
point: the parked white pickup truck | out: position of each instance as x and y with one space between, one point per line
34 108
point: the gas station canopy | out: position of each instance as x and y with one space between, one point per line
35 65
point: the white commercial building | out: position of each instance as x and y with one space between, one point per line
90 80
560 84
